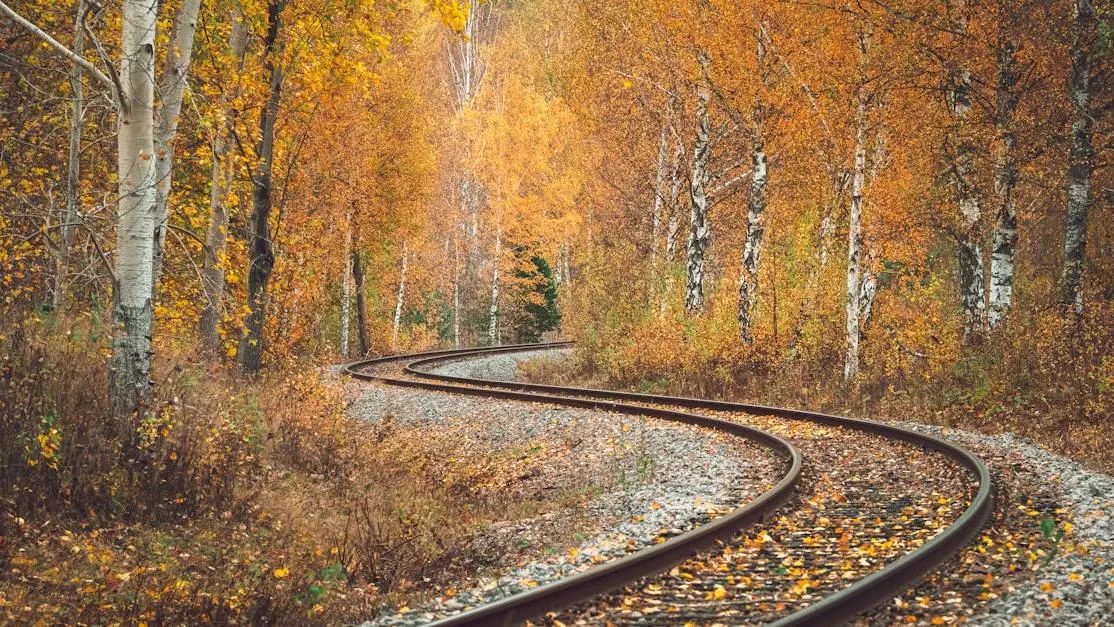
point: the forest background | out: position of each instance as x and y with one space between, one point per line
898 210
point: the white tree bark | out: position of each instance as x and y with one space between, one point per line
73 164
1005 174
171 88
659 193
854 224
699 229
756 204
752 248
401 298
962 174
493 322
130 385
346 285
456 295
1081 156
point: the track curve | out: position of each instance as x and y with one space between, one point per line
840 606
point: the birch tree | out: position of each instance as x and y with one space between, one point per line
756 203
699 229
961 173
133 89
346 284
855 292
171 90
1081 156
400 297
493 320
1005 171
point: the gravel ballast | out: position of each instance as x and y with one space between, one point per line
664 478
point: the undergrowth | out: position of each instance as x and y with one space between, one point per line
1042 377
245 501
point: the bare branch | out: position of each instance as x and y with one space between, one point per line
64 51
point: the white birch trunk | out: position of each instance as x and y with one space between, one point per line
401 298
962 174
456 295
1081 156
854 224
752 248
346 285
493 322
854 250
73 165
130 385
171 87
756 206
1005 176
699 228
659 196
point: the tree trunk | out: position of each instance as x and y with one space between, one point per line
129 383
962 174
854 225
401 298
752 249
493 322
1005 175
260 249
346 285
73 165
456 294
659 195
361 307
212 273
1081 157
172 86
699 228
756 205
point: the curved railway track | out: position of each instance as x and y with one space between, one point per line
869 461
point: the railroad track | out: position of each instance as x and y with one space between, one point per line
874 509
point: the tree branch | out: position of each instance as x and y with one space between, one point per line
53 43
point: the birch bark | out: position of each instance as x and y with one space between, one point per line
756 203
171 88
1005 174
1081 156
699 229
659 194
456 294
962 174
129 382
493 322
854 225
346 285
401 297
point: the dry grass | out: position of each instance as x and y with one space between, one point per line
253 502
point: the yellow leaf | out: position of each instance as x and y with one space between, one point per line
281 572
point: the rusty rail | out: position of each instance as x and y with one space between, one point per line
838 607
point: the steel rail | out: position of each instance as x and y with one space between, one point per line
617 573
862 595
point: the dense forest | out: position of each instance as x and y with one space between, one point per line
897 208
